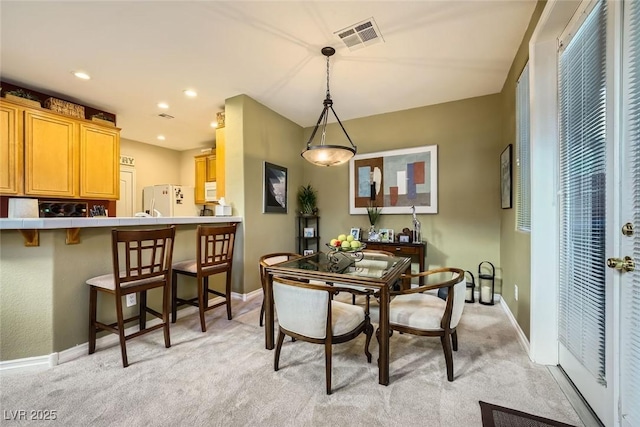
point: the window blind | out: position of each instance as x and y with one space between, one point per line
523 200
582 193
630 298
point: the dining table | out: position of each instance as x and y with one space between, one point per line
361 269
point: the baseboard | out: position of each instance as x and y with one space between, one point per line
521 336
29 364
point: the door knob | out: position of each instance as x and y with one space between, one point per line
626 263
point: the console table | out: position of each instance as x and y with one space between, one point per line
412 250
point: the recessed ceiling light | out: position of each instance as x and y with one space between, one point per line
163 105
191 93
214 124
82 75
161 137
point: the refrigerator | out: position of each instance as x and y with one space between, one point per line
169 200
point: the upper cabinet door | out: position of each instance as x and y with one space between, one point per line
201 176
11 150
51 160
211 168
99 162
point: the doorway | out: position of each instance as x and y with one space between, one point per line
125 206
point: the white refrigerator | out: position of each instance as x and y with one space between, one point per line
169 200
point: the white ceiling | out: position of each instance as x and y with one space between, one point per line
142 52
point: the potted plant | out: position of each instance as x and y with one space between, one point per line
103 118
374 212
24 97
307 199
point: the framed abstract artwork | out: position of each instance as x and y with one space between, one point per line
275 189
505 178
395 181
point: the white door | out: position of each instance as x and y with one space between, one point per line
629 233
587 208
125 206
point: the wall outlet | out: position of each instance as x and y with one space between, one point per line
515 292
131 299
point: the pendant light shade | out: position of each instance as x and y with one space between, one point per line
323 154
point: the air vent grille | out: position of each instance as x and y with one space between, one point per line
360 35
165 116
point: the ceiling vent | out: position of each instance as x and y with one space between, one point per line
360 35
165 116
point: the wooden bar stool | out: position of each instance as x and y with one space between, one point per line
214 255
141 261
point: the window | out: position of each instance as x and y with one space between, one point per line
523 150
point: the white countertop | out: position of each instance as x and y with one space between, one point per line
55 223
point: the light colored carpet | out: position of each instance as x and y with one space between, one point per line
225 377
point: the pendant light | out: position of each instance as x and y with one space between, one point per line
325 154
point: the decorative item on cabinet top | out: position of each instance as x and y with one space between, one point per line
23 97
64 107
220 119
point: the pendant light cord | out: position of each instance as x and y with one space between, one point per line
328 94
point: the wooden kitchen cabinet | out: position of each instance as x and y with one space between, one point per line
221 147
11 150
99 162
205 166
47 154
51 155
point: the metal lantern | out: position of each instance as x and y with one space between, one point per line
486 282
471 285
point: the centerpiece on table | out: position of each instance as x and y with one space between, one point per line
374 212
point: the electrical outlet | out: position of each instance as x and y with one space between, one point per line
515 292
131 300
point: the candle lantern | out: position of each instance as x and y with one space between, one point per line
471 285
486 282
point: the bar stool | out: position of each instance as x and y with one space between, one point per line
145 264
214 255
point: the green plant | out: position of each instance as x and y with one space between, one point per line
374 213
22 94
307 199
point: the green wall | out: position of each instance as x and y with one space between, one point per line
468 133
255 134
515 246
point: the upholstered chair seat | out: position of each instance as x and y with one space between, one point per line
307 312
415 312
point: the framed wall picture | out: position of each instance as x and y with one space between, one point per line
309 232
307 252
395 180
355 232
505 178
275 189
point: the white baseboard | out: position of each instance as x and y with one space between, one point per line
521 336
29 364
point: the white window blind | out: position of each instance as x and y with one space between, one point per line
523 201
582 193
630 298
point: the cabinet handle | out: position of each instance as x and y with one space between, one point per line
398 249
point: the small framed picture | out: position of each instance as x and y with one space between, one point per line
355 232
309 232
307 252
386 235
403 238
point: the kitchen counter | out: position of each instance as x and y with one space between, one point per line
57 223
44 308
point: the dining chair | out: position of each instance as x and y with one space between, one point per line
214 255
307 312
414 312
141 261
265 261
